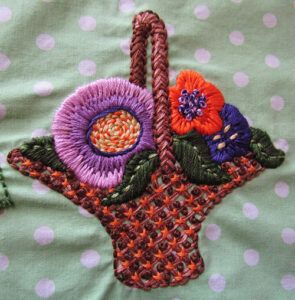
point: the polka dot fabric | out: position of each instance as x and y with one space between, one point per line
244 47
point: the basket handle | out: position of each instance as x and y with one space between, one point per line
147 24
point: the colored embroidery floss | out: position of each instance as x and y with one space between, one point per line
150 167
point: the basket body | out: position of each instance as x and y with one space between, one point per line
155 237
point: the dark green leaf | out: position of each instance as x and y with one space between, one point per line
5 200
194 157
42 149
136 178
265 152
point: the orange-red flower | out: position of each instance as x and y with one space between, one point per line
195 104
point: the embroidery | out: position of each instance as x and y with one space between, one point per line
5 200
150 167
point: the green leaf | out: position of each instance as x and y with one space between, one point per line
194 157
5 200
42 149
265 152
136 178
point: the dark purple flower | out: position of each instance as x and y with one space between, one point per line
100 127
234 137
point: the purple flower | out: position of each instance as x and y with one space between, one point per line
100 127
234 137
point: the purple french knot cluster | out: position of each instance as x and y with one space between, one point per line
191 104
72 120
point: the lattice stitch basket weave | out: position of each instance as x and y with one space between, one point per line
155 236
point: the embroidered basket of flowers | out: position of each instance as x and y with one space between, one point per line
149 166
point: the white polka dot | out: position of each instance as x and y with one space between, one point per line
43 235
2 160
236 38
217 283
241 79
2 111
269 20
48 1
272 61
170 29
45 288
175 298
39 187
45 42
4 262
125 46
202 12
87 23
282 144
282 189
212 232
4 62
250 210
249 120
288 236
5 14
277 102
288 282
236 1
84 212
126 5
40 132
251 257
172 75
87 67
43 88
90 259
202 55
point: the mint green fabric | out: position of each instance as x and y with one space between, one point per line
51 249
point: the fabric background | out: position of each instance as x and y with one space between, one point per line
51 249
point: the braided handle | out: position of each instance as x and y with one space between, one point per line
147 24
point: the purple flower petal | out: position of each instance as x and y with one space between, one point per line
72 120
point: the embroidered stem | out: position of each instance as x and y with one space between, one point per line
5 200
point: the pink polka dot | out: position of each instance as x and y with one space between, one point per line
213 232
40 132
45 288
2 160
87 67
288 282
217 283
2 111
4 262
249 120
45 42
44 235
282 189
84 212
288 236
269 20
5 14
282 144
126 5
277 102
294 3
125 46
170 29
251 257
202 12
202 55
2 211
272 61
241 79
90 259
172 75
43 88
250 211
236 38
87 23
39 187
4 62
